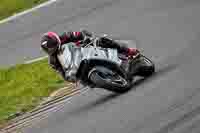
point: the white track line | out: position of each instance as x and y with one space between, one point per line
35 60
27 11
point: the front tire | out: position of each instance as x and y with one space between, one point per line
114 83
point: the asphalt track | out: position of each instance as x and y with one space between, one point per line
167 31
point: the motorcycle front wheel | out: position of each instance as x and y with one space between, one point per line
112 82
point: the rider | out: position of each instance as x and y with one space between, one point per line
51 43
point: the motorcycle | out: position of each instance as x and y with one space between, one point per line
104 67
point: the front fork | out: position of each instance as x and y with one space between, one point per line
129 64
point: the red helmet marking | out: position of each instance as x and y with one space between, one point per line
53 34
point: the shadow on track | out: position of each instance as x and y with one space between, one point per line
111 96
93 104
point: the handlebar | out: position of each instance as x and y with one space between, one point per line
93 40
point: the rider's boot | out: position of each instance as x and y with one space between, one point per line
132 51
132 70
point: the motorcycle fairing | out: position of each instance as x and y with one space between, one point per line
71 56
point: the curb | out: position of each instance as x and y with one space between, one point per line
56 98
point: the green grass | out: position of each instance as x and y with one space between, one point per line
10 7
23 86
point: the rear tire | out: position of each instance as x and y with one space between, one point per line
143 67
101 81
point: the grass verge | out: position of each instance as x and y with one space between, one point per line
11 7
23 86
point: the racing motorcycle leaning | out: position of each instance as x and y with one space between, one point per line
103 67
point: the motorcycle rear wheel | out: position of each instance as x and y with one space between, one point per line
143 66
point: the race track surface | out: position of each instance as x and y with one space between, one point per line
168 32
